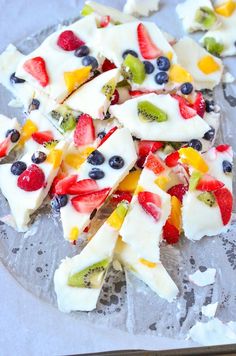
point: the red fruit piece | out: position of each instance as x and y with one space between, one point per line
31 179
86 203
37 68
186 111
110 132
147 48
115 97
4 147
222 148
42 136
105 20
118 196
154 163
224 199
64 184
59 177
107 65
151 204
170 233
208 184
83 186
172 159
84 133
140 162
200 104
69 41
178 191
144 147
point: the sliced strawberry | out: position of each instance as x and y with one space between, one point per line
37 68
144 147
31 179
105 20
147 48
135 93
151 204
84 133
115 97
4 147
208 184
200 104
118 196
172 159
86 203
170 233
42 136
59 177
186 111
224 199
154 163
222 148
83 186
140 161
68 41
63 185
178 191
107 65
110 132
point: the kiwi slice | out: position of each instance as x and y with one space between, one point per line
87 10
206 17
109 88
65 116
133 69
148 112
207 198
212 46
50 144
89 277
194 179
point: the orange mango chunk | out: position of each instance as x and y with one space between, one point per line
175 215
75 78
178 74
226 9
54 157
162 182
208 65
75 160
28 129
193 158
129 183
147 263
74 234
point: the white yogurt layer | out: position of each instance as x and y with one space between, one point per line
204 278
5 125
213 120
189 54
156 277
176 128
140 7
116 15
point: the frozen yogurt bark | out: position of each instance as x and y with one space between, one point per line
10 132
116 16
78 280
140 7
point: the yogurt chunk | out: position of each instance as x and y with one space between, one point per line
140 7
9 135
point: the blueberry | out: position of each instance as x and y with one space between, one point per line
15 135
161 78
186 88
35 104
96 174
96 158
210 105
196 144
116 162
107 116
90 61
163 63
16 80
149 67
59 201
18 167
39 157
82 51
209 135
227 167
129 51
101 134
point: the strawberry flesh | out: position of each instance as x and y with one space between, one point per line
31 179
105 20
4 147
200 104
115 97
208 184
37 68
185 108
178 191
154 163
107 65
84 133
170 233
147 48
151 204
86 203
119 195
69 41
42 136
172 159
83 186
110 132
224 199
222 148
144 147
63 185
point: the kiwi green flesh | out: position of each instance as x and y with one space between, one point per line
207 198
122 209
206 17
133 69
50 144
109 88
212 46
194 179
148 112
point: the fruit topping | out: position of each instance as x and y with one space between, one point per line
144 147
28 129
62 186
178 74
15 80
69 41
193 158
148 112
196 144
194 179
208 65
86 203
50 144
186 111
147 47
119 195
90 61
215 48
84 133
4 147
96 158
209 135
18 167
36 67
110 132
42 136
31 179
13 134
86 10
58 202
162 181
82 51
227 167
161 78
186 88
207 198
147 263
178 191
34 105
210 105
83 186
116 162
206 17
77 77
133 69
151 204
208 183
109 88
115 97
105 21
38 157
129 51
170 233
224 200
149 67
172 159
163 63
65 116
222 148
154 163
54 157
101 134
107 65
96 174
116 219
129 183
175 215
226 9
199 104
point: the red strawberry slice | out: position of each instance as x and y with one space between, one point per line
178 191
31 179
37 68
59 177
144 147
69 41
107 65
222 148
86 203
83 186
172 159
118 196
151 204
42 136
147 48
154 163
64 184
115 97
186 111
208 184
170 233
4 147
200 104
140 162
105 20
224 199
135 93
84 133
110 132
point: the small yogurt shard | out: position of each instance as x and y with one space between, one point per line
24 203
209 310
78 280
120 143
99 90
174 128
140 7
8 137
205 69
153 274
204 278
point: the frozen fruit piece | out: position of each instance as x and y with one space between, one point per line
96 158
86 203
151 204
38 157
110 132
208 183
162 181
4 147
37 68
130 182
172 159
28 129
107 65
149 112
154 163
116 219
54 157
207 198
13 134
199 104
86 10
133 69
115 97
31 179
147 48
175 215
120 195
58 202
161 78
170 233
42 136
116 162
193 158
194 179
149 67
224 200
186 111
75 160
54 183
62 185
109 88
50 144
215 48
227 166
90 61
69 41
82 51
74 234
163 63
105 20
178 191
186 88
222 148
18 167
206 17
77 77
178 74
208 65
147 263
83 186
96 173
196 144
85 132
144 147
226 9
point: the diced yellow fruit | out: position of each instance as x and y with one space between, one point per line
162 182
116 219
175 215
130 182
77 77
54 157
191 157
226 9
208 65
74 234
169 55
147 263
75 160
138 189
28 129
178 74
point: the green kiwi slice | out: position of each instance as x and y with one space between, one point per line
148 112
206 17
66 117
50 144
109 88
207 198
194 179
133 69
212 46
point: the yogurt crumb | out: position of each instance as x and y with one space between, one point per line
141 7
203 279
209 310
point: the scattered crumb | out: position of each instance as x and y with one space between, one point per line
203 279
209 310
141 7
